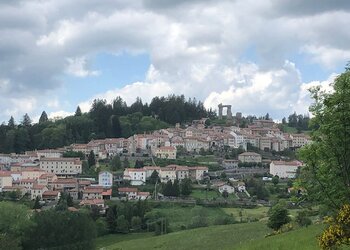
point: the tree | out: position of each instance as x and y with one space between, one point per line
186 187
60 230
302 219
168 188
122 224
154 177
136 223
43 118
91 159
176 188
338 232
126 163
138 164
11 123
275 180
37 203
15 221
26 121
116 163
111 217
225 194
326 174
78 112
278 216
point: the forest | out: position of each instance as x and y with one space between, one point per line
104 120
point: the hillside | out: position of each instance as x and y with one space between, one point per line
248 236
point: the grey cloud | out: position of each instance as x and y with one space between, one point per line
305 8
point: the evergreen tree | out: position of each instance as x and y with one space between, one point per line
26 121
116 130
186 187
78 112
43 118
168 188
11 123
154 177
111 219
138 164
176 188
116 163
91 159
70 202
37 203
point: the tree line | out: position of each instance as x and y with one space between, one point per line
104 120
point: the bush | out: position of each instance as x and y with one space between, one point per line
224 220
198 221
302 219
101 227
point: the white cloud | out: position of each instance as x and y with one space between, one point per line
59 114
77 67
200 49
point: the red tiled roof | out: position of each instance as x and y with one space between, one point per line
127 189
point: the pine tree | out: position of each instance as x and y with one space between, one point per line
26 122
37 203
43 118
111 219
91 159
78 112
11 123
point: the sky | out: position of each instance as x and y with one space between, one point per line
258 56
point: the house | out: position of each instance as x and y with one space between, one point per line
249 157
142 195
32 173
51 195
49 153
182 172
66 167
198 172
284 169
224 187
105 179
168 173
94 202
229 163
136 176
93 192
63 184
130 193
27 184
166 152
37 191
299 140
5 179
19 189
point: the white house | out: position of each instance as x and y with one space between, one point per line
61 166
284 169
136 176
105 179
229 189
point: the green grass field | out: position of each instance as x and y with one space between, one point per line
304 238
259 213
181 216
246 236
111 239
214 237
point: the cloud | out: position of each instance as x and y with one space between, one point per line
77 67
196 48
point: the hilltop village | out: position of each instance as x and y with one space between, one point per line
46 174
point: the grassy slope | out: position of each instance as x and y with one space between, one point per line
181 216
110 239
304 238
215 237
